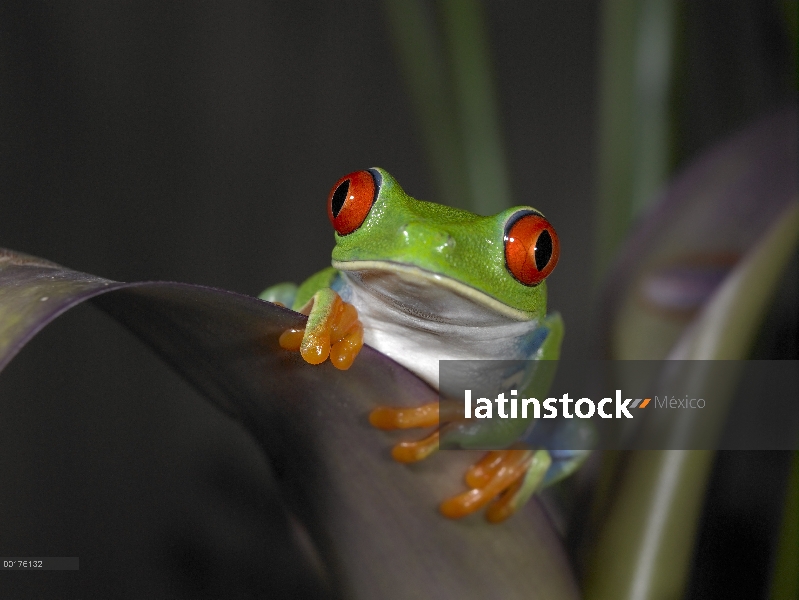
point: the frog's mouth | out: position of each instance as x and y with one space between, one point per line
427 295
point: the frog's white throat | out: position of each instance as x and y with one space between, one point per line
418 318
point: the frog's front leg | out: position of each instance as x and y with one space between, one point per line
332 329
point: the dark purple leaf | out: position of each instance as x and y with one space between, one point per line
374 522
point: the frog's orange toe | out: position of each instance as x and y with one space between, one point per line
343 321
315 349
408 452
507 504
346 348
291 339
481 472
464 504
384 417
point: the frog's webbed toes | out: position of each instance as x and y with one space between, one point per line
504 479
333 330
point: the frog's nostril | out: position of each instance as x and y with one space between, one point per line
423 235
446 244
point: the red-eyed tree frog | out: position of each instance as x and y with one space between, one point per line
422 282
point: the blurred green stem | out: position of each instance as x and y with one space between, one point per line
423 66
467 41
785 583
637 50
455 100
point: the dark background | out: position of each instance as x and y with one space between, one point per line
197 142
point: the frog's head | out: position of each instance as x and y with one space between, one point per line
498 262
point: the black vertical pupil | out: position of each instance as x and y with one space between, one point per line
543 250
339 197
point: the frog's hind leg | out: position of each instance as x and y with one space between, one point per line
504 478
517 495
282 294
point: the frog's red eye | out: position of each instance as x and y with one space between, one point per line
531 247
350 201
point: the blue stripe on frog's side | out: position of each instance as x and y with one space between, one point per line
557 437
341 287
532 342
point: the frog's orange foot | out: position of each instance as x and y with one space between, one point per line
498 471
505 479
333 331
